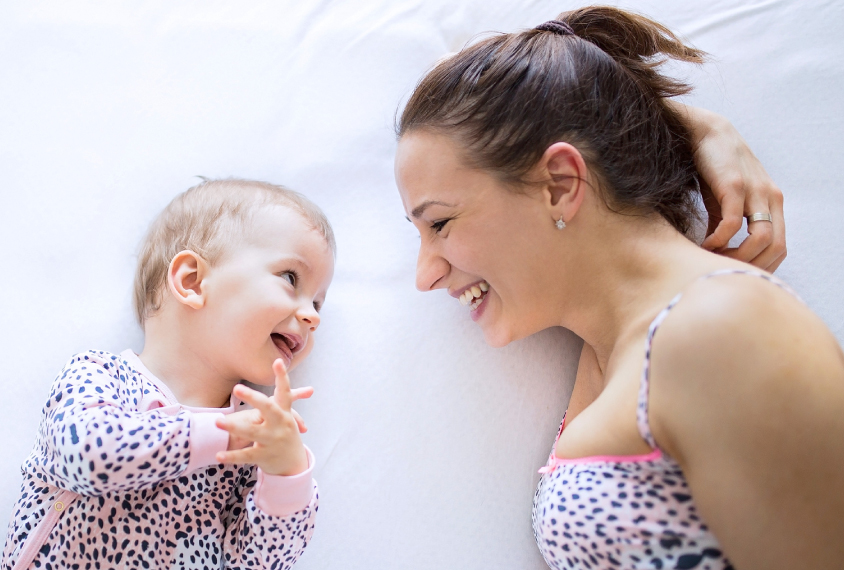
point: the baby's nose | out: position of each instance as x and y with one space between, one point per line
310 318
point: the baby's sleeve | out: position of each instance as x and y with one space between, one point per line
270 518
93 440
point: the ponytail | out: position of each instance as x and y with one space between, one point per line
638 43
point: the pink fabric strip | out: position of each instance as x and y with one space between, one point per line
280 496
36 540
555 461
206 439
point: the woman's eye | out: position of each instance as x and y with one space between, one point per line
290 277
439 225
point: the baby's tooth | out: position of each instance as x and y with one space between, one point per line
476 291
484 286
463 299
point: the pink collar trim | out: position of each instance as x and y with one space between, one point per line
555 461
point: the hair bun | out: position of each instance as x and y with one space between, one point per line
556 26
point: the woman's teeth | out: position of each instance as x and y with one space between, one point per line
474 295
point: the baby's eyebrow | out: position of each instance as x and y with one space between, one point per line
294 260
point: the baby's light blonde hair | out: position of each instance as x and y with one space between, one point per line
205 219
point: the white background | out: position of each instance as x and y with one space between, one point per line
427 440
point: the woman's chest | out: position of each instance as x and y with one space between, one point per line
606 424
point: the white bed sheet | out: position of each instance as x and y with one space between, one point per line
427 440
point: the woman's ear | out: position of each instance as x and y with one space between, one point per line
564 173
184 278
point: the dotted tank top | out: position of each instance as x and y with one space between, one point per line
627 512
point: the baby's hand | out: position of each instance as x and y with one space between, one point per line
272 427
254 417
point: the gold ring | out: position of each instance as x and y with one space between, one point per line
759 217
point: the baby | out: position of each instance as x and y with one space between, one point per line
154 460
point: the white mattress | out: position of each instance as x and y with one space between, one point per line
427 440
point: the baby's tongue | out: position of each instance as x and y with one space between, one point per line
281 343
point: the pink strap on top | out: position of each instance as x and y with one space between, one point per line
642 422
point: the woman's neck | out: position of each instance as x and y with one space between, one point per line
628 270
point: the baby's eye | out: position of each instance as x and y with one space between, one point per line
290 277
317 306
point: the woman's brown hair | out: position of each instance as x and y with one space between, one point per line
507 98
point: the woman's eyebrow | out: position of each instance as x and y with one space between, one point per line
420 209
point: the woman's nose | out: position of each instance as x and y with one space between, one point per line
430 269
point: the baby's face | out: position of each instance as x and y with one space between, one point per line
263 297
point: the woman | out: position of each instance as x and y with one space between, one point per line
553 184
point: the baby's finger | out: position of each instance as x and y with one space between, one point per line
301 393
300 423
243 428
282 385
255 399
237 456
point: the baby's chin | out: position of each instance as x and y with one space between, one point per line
269 379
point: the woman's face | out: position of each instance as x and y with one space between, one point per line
486 244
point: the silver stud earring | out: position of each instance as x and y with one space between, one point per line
560 223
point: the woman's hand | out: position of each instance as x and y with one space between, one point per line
734 185
272 428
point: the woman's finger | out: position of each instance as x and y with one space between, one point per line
760 236
732 209
773 255
773 267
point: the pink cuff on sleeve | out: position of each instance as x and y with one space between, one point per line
280 496
206 439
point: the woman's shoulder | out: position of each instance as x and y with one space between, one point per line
734 316
737 348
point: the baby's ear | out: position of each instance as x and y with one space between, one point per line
184 278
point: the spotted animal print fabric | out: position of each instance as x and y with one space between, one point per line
125 477
630 512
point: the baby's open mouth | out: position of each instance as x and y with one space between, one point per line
474 295
286 343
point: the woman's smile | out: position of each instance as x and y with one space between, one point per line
474 296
